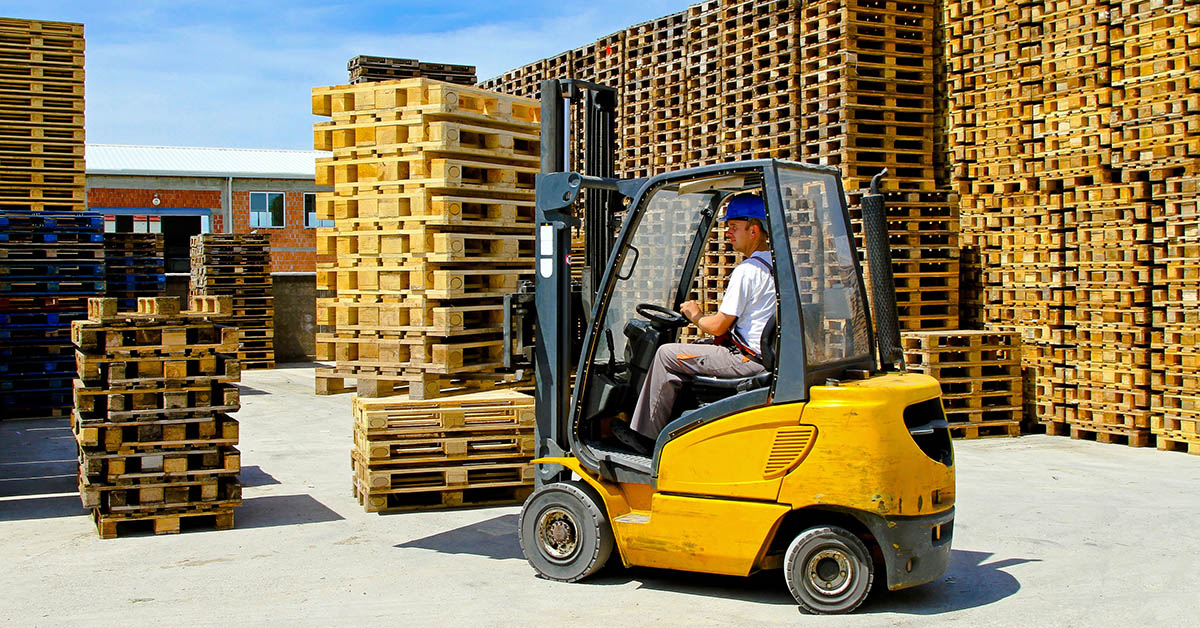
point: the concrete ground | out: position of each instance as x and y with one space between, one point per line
1049 532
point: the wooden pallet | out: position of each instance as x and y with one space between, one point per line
435 448
139 465
416 385
377 480
111 526
149 497
441 500
985 429
501 409
173 433
1111 435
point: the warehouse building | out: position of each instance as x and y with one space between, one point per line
184 191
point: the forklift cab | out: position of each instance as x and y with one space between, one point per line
821 327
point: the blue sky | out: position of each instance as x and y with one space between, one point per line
239 74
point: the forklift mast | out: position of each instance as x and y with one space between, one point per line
542 319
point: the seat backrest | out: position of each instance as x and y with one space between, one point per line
767 343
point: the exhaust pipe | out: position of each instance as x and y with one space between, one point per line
883 284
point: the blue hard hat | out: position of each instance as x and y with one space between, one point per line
745 206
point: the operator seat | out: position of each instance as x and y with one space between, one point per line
706 387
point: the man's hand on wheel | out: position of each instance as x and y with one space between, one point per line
690 310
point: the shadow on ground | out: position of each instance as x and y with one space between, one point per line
282 510
255 476
39 469
494 538
970 580
247 391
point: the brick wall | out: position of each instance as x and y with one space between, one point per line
293 234
190 199
284 241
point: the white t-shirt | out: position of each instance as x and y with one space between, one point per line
750 296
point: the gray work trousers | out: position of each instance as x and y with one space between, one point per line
672 364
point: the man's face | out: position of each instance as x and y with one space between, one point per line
741 235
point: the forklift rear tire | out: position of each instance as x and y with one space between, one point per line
564 532
829 570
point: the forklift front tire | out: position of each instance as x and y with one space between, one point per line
828 570
564 532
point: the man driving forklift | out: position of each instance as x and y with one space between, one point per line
747 307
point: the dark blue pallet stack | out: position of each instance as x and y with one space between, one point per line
50 264
133 267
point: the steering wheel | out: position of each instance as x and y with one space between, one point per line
659 315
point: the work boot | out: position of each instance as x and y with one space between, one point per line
632 439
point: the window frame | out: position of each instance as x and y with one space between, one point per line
316 223
252 212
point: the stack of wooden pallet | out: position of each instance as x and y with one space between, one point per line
156 442
759 65
1176 325
133 267
1016 275
1075 196
867 87
365 69
239 265
980 375
467 450
41 116
432 206
50 264
702 69
734 75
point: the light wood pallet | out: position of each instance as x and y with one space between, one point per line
385 382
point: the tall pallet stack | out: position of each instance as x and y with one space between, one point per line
1076 195
239 265
50 264
41 116
841 82
467 450
152 404
133 267
867 103
1014 234
1156 143
705 91
43 280
980 376
1175 401
432 206
759 90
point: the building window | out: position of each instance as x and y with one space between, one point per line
310 212
266 209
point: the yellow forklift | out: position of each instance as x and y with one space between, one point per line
833 465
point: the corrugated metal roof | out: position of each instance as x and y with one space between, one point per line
184 161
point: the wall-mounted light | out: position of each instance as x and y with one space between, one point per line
157 201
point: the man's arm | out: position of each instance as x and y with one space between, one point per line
713 324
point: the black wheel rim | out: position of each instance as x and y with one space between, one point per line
830 572
557 534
